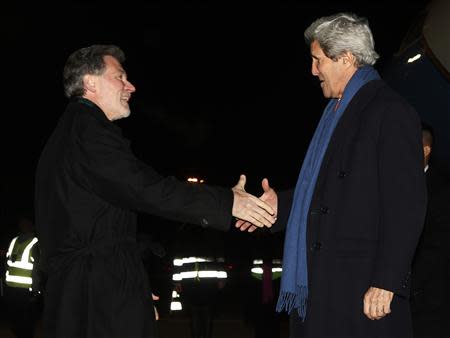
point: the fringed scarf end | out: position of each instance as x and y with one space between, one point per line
289 300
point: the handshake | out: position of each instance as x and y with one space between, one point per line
252 212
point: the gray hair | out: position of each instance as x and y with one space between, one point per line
341 33
88 60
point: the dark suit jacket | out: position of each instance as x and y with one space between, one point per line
365 218
430 282
89 186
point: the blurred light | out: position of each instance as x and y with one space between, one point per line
414 58
175 306
195 180
258 271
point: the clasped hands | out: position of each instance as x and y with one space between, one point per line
252 212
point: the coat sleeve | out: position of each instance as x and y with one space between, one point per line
109 168
433 245
402 200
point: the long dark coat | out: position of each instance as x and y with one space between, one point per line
430 279
365 218
88 187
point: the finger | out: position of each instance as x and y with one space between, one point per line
366 307
256 214
265 206
387 308
374 312
155 297
261 219
256 222
380 312
249 210
244 225
252 228
368 303
239 223
371 312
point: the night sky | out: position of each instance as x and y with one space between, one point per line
222 89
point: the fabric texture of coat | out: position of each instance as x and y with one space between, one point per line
430 274
365 218
89 186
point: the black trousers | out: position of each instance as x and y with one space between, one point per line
22 311
201 320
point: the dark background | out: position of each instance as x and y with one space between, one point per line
222 89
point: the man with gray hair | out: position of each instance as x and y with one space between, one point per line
354 219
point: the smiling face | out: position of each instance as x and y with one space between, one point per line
333 74
110 90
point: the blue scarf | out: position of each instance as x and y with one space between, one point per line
294 282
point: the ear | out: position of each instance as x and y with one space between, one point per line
426 151
89 83
348 59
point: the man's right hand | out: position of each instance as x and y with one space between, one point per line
249 208
269 196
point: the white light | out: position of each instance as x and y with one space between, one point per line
195 180
175 306
414 58
258 271
190 260
199 274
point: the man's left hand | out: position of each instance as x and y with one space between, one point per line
377 303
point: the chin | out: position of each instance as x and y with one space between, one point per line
121 116
125 112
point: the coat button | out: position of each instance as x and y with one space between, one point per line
316 246
204 222
342 174
324 209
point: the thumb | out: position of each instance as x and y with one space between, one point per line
241 183
154 297
265 185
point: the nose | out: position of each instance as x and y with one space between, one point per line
130 87
314 69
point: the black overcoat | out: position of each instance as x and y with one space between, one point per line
89 186
365 218
430 280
